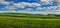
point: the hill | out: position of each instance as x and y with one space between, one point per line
23 15
15 20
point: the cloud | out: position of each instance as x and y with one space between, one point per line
29 9
10 8
48 10
57 1
45 1
32 12
21 5
40 8
24 4
53 10
3 2
50 1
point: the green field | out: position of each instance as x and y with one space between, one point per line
29 21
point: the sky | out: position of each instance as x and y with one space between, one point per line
30 6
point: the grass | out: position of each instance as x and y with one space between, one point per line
8 21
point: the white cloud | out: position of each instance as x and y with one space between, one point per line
29 9
50 1
39 8
33 4
48 10
33 12
58 1
18 5
10 8
45 1
53 10
23 4
3 2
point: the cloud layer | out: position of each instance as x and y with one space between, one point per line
33 8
